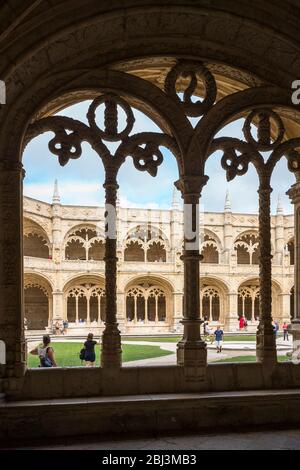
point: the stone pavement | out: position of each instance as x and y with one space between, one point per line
247 440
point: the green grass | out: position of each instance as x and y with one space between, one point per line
249 359
67 354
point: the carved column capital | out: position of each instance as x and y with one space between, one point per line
294 193
191 185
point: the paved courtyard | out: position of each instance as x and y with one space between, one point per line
257 440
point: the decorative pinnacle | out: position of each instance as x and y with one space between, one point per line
56 196
227 207
175 203
280 209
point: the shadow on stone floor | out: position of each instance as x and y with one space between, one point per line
263 438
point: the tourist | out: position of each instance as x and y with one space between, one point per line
25 323
45 353
242 322
66 326
89 351
206 330
285 331
57 328
245 324
219 339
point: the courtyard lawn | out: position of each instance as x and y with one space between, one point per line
67 354
248 359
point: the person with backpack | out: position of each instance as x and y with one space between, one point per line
45 353
88 354
219 334
285 331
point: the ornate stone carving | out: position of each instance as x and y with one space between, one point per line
146 155
237 155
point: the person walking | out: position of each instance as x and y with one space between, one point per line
285 331
45 353
242 322
57 328
219 334
89 351
66 326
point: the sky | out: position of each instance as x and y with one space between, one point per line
80 181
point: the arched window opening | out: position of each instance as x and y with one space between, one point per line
247 248
36 307
35 246
146 303
85 244
134 252
86 304
97 250
156 252
75 250
147 244
210 299
248 302
209 250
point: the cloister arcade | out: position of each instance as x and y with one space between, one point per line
191 69
146 302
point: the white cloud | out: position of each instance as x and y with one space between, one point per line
72 192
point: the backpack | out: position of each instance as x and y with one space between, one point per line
46 362
82 354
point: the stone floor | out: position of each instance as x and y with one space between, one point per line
242 440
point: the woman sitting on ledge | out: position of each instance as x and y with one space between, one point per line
45 353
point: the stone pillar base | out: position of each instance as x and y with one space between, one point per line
266 345
111 356
192 355
232 325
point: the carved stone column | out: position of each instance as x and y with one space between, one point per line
294 194
231 321
111 340
191 350
11 272
177 309
265 339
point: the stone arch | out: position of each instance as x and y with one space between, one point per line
148 301
210 248
248 299
146 242
193 20
214 299
37 301
85 300
246 245
84 242
36 242
290 247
